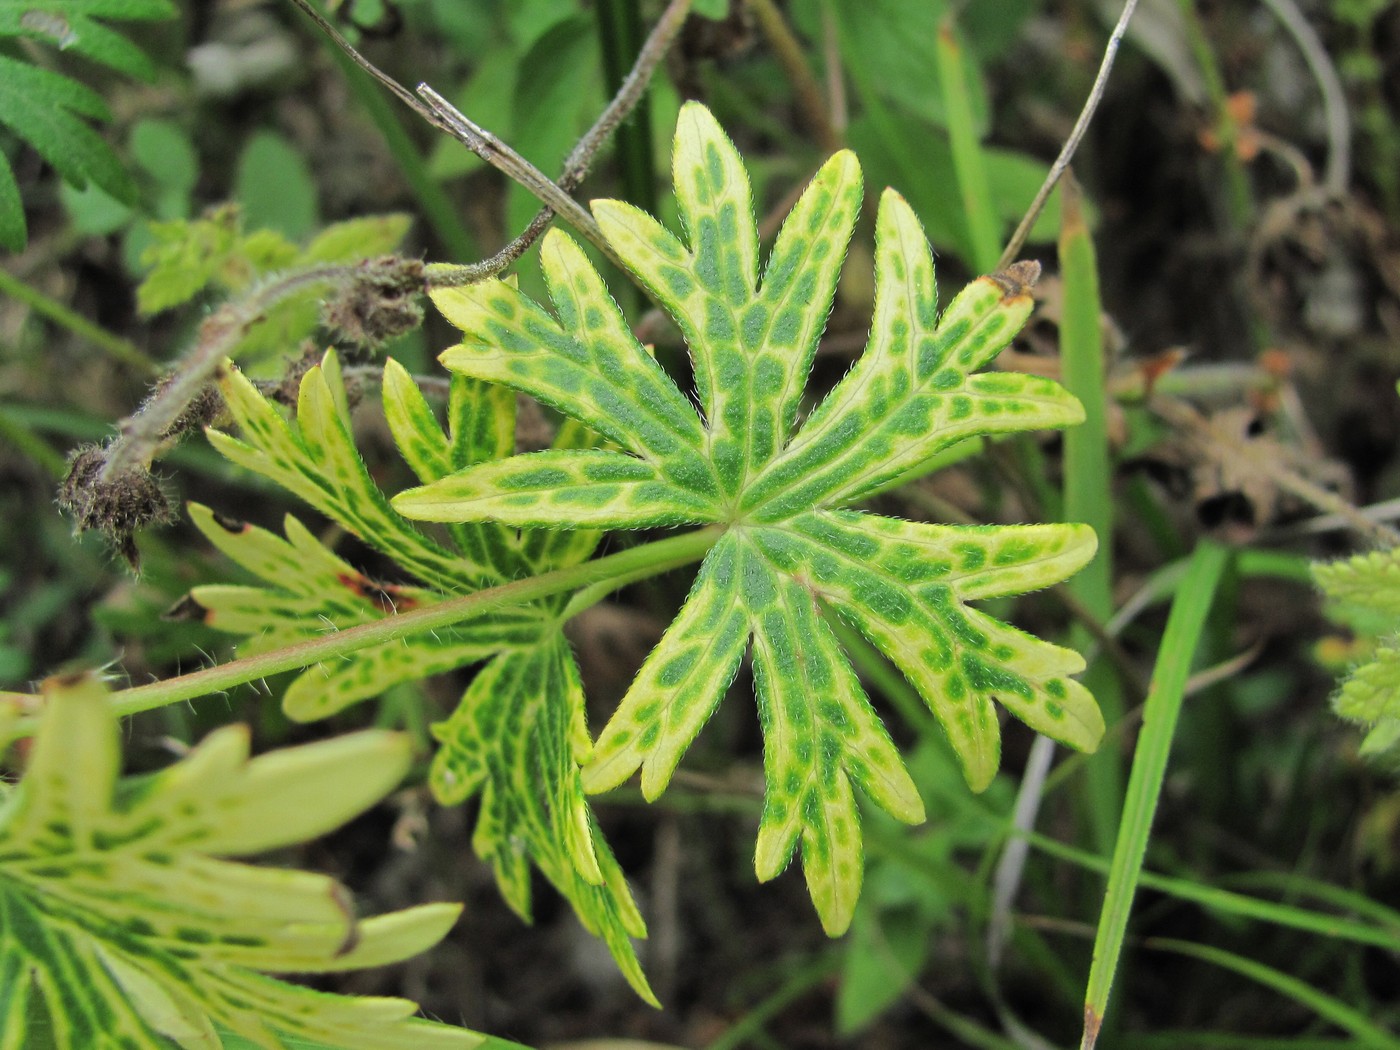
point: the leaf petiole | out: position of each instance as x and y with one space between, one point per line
644 560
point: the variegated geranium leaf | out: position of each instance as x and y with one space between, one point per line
122 926
307 590
313 456
791 553
518 734
517 737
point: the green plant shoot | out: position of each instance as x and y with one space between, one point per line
46 109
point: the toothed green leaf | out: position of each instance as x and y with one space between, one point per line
518 734
213 252
45 108
1365 589
120 922
1368 582
517 737
791 551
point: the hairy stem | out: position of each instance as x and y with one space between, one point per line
141 434
580 159
647 559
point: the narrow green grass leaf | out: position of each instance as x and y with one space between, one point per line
1342 1014
968 162
1381 928
1179 641
1088 486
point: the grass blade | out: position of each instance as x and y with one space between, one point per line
968 162
1183 633
1088 495
1334 1010
1380 930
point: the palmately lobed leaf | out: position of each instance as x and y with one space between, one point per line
518 733
794 552
123 928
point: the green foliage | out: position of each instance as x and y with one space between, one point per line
1364 591
124 927
791 552
518 734
274 186
213 253
45 108
889 48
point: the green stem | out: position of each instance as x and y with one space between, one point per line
1179 642
24 439
968 162
806 89
1239 195
125 351
651 557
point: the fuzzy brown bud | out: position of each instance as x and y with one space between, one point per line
382 300
117 506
